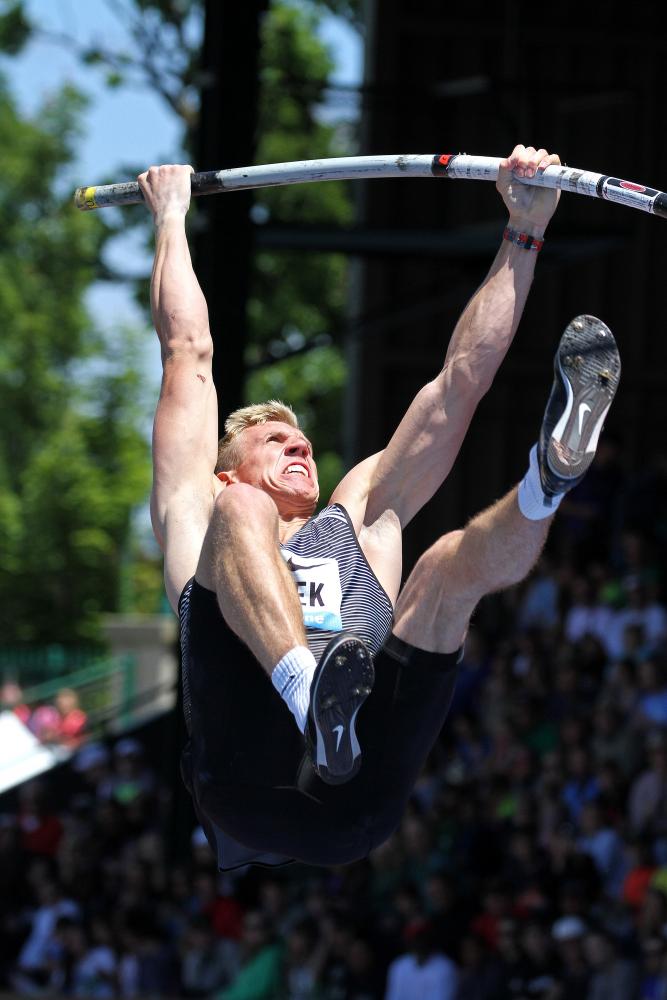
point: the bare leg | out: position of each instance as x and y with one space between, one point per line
498 548
241 561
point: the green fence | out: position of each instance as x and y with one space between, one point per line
29 665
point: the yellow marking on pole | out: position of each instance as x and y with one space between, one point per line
85 198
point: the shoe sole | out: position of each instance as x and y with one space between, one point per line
342 683
589 366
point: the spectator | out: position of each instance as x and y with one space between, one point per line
260 976
223 912
304 961
581 787
573 974
614 977
589 513
480 973
512 962
422 972
641 611
84 968
45 723
540 970
612 740
652 917
647 800
641 867
73 719
33 966
365 979
539 605
621 692
587 615
653 975
652 707
11 699
447 913
92 763
41 829
208 963
132 778
604 845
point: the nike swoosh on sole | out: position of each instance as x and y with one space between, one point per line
584 408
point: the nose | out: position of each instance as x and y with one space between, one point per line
298 448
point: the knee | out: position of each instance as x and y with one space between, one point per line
434 607
240 505
444 549
433 563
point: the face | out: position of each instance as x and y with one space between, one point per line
278 459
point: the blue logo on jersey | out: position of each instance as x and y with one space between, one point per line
325 621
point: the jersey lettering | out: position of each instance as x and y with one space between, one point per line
318 586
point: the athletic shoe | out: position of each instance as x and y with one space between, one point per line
342 681
587 371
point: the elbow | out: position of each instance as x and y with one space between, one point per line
463 378
188 341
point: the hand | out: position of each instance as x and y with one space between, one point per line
166 191
530 208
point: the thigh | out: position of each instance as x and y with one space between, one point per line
397 728
423 687
434 607
241 729
286 821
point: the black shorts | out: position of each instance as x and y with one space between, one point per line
245 764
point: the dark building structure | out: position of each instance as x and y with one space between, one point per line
452 78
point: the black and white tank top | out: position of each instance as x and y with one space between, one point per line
337 588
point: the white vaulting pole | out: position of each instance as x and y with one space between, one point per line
345 168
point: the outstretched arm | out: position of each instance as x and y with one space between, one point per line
423 449
185 428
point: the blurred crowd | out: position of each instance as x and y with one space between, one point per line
531 862
64 722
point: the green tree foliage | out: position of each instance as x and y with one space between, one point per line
297 300
14 27
73 463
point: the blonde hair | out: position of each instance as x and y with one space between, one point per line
229 447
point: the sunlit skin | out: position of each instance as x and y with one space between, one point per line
269 450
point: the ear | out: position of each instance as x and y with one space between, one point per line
227 478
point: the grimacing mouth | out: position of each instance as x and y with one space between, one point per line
297 469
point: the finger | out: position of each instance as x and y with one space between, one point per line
515 156
522 165
551 160
533 163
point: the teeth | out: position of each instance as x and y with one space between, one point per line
297 468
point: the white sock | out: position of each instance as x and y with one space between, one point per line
292 678
533 503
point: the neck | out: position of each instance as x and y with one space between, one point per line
288 525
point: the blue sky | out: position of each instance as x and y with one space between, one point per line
121 126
